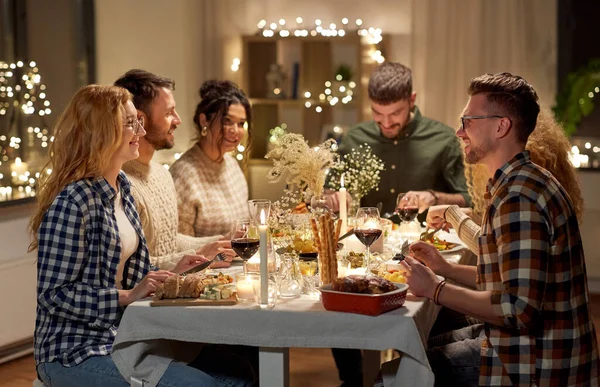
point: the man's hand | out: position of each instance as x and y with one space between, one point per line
430 256
424 198
210 250
435 217
421 279
189 262
333 200
147 286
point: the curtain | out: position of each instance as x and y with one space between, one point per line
453 41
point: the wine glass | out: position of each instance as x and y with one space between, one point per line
367 230
407 208
244 241
320 204
256 206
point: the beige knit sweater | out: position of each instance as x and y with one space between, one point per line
211 195
156 202
468 231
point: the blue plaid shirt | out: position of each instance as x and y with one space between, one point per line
79 250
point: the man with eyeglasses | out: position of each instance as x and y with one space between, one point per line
422 157
530 281
151 185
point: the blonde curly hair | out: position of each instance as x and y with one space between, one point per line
549 148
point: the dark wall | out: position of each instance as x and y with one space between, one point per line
578 42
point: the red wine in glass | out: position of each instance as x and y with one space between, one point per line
408 214
245 248
367 236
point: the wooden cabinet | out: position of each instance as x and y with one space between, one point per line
316 60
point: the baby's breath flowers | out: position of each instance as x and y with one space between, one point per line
361 170
304 168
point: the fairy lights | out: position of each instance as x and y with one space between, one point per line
22 94
371 35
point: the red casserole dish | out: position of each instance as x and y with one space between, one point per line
369 304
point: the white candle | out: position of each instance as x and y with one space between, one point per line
245 289
264 258
18 169
343 209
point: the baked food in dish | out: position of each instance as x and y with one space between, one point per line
363 284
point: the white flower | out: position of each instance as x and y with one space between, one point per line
361 169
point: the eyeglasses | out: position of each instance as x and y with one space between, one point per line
136 124
463 118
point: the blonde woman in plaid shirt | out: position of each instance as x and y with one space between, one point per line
530 280
92 254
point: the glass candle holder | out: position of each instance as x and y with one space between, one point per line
245 287
272 294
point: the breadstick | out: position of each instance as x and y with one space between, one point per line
315 231
338 229
323 258
332 252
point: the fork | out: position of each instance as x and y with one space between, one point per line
403 251
427 235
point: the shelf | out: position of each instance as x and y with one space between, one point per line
351 37
298 102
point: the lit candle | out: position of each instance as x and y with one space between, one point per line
264 258
343 209
18 169
245 288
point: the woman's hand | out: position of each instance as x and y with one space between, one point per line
430 256
421 280
210 250
146 287
189 262
435 217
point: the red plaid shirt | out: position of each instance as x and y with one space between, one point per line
531 258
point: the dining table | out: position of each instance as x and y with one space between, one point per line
149 337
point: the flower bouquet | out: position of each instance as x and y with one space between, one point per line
304 169
361 170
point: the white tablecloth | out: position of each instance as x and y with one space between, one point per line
143 347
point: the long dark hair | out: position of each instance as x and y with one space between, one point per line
216 98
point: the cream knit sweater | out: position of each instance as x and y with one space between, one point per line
468 231
211 195
156 202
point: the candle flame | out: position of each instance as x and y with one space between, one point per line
342 181
263 219
18 161
371 224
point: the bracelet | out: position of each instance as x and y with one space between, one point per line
446 210
438 290
435 198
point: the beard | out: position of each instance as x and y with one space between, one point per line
158 138
476 154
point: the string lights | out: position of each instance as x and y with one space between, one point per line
23 104
281 28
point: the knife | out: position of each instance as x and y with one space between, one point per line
346 235
200 267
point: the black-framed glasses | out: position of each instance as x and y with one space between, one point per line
136 124
463 118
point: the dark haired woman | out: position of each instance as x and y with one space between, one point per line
211 187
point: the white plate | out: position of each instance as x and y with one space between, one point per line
451 237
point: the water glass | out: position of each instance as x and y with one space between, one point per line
290 277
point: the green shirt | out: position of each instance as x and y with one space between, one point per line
425 155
